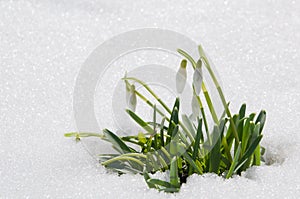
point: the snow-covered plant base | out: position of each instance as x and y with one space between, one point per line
184 145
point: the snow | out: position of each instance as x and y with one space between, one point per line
253 44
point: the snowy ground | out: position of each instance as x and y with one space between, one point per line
254 45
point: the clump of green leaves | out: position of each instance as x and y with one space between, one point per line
185 145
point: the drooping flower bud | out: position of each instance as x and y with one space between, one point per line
198 77
181 77
132 101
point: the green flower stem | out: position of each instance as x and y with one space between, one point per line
210 104
188 57
204 119
206 63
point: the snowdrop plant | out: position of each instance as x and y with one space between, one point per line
180 144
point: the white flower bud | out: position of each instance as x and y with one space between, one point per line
132 101
181 77
198 77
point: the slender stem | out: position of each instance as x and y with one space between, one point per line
188 57
204 119
206 63
210 104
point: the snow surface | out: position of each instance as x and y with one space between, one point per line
254 45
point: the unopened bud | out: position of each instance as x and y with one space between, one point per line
181 77
198 77
131 98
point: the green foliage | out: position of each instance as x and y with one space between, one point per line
184 145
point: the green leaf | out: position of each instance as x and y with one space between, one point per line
173 143
234 162
174 116
226 149
242 111
147 179
226 161
262 119
256 160
240 128
199 136
153 161
166 153
160 183
174 179
162 132
210 106
173 120
193 164
255 133
246 135
117 142
121 158
223 140
215 154
133 140
170 190
250 150
161 160
141 122
154 119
